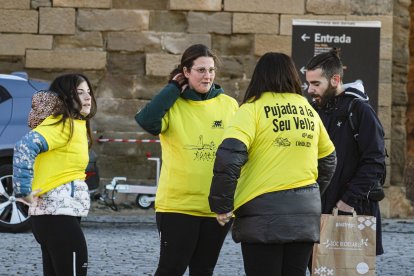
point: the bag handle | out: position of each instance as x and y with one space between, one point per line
335 212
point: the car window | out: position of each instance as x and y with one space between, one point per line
5 109
4 95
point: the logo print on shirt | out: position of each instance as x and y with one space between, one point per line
217 124
202 151
281 142
338 124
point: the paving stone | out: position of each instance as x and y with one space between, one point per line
126 243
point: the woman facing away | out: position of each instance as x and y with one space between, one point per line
189 114
49 172
275 160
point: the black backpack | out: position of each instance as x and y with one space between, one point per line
376 192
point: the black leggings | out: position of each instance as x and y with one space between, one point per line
187 240
64 249
289 259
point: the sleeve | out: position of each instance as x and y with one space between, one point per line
25 153
326 169
230 157
150 118
325 145
243 125
371 147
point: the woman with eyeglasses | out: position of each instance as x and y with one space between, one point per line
189 114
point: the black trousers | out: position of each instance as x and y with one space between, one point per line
289 259
189 241
63 244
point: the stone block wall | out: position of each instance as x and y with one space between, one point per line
128 47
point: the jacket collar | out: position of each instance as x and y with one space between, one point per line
190 94
355 90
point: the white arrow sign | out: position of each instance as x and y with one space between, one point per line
304 37
304 86
303 70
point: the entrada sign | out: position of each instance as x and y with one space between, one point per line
359 42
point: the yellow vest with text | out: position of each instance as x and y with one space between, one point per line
65 160
191 132
285 138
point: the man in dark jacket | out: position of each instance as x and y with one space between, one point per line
361 164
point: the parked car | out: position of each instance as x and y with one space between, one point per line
16 90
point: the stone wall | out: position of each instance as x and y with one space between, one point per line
127 47
409 168
396 203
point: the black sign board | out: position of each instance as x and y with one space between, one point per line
359 42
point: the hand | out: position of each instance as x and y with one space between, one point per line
181 80
342 206
29 199
224 218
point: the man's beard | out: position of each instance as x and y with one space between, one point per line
329 94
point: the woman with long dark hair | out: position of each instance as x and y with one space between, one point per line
275 159
49 172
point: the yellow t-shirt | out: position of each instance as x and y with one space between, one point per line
285 138
191 132
64 161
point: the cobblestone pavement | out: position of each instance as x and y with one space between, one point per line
127 244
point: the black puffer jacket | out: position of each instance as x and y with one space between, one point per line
280 217
360 162
277 217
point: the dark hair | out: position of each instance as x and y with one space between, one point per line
65 86
330 63
190 54
274 72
